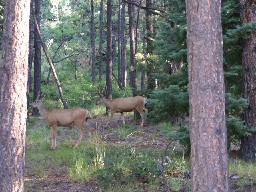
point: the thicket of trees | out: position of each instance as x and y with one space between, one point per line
140 47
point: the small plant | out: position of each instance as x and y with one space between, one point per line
175 184
124 131
180 134
246 172
80 171
143 168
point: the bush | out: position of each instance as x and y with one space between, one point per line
181 135
167 104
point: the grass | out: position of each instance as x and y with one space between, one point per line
125 131
245 171
112 165
115 167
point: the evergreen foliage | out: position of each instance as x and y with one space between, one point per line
67 32
167 104
171 47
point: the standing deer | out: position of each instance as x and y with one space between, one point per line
63 117
127 104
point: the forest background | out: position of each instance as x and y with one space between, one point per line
148 57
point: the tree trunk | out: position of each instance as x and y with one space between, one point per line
114 40
131 12
31 52
208 132
101 38
122 65
119 44
13 101
133 46
37 55
31 48
137 27
93 43
248 144
143 73
150 46
109 51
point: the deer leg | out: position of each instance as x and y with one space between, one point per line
142 121
122 114
142 117
81 135
54 129
111 114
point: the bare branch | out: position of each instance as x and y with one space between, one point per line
152 10
66 57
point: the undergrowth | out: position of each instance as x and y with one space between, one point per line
116 167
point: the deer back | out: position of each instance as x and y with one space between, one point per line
127 104
67 117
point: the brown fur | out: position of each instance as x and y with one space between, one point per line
65 118
127 104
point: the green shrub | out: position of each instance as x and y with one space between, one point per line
167 104
180 134
143 168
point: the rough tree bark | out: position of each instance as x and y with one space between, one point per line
13 101
208 132
248 144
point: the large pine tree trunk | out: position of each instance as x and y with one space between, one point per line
208 132
13 101
248 145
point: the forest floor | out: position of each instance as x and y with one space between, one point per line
58 181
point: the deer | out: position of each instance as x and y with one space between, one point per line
127 104
63 117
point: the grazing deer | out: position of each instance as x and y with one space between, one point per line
127 104
63 117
